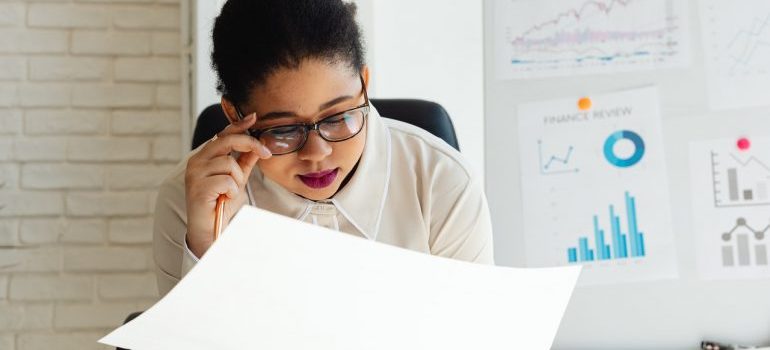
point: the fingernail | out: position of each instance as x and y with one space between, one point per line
247 119
251 116
266 151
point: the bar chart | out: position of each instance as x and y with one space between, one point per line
594 188
730 189
622 244
744 245
739 180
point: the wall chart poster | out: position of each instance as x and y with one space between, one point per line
736 38
551 38
731 207
594 187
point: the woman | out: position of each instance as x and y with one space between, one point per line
305 142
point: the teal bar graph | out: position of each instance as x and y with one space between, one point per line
623 245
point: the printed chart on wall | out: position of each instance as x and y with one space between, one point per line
594 187
550 38
737 43
731 207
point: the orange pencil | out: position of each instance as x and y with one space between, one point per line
220 209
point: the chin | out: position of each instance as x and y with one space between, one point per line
319 194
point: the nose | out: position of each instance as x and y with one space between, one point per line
315 148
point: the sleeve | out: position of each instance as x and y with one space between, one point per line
461 227
188 259
172 257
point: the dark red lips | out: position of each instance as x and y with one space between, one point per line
319 179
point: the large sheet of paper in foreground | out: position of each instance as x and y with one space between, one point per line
271 282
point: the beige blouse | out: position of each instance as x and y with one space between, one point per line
410 189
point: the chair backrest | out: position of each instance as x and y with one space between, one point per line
427 115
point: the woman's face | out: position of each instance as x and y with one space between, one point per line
313 91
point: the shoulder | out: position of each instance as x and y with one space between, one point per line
422 149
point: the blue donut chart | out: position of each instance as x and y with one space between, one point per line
609 148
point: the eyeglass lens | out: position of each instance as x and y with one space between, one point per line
289 138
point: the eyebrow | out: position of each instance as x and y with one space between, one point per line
287 114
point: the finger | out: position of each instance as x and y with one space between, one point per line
234 143
240 126
220 184
247 161
225 165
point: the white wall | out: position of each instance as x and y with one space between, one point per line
426 49
433 50
204 85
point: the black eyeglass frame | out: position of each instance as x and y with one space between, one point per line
315 126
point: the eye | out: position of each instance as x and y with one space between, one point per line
338 119
283 131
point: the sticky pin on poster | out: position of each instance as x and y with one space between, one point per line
584 103
743 144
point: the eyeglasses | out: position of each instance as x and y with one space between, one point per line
285 139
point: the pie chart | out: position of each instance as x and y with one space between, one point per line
618 161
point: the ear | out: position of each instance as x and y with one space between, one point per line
229 109
365 75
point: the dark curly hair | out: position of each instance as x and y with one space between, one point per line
254 38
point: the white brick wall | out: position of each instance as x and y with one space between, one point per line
147 69
90 123
69 68
68 16
66 121
69 340
113 95
109 43
50 287
90 316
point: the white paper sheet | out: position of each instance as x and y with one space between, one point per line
731 207
553 38
272 282
595 189
735 41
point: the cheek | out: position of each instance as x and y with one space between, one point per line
277 166
350 151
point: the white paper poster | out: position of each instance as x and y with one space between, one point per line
594 187
736 37
731 207
276 283
551 38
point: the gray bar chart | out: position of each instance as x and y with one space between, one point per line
744 245
739 180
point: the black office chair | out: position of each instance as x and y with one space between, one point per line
429 116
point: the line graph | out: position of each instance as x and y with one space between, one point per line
536 38
561 162
739 182
737 46
748 43
575 14
749 161
744 245
730 197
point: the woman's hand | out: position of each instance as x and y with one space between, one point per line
215 170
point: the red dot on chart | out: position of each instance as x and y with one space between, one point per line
743 144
